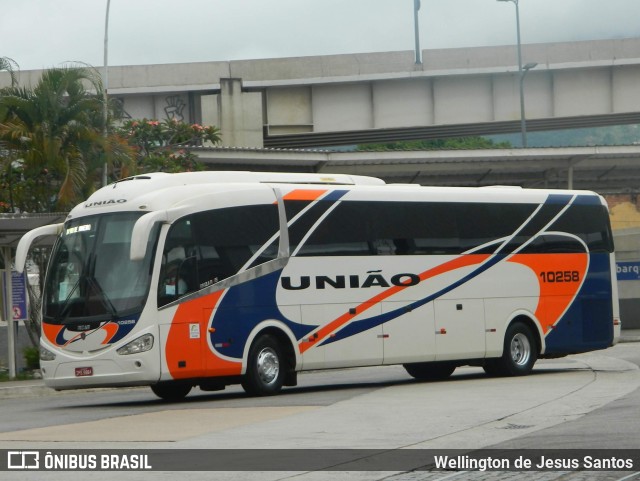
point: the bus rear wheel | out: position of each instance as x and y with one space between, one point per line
171 390
265 368
430 371
519 354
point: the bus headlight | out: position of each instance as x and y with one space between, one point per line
141 344
46 354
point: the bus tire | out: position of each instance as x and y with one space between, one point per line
171 391
430 371
519 355
265 368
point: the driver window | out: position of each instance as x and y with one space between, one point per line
209 246
178 275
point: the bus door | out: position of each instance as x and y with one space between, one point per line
409 337
185 344
459 329
343 337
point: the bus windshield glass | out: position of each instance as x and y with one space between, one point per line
91 277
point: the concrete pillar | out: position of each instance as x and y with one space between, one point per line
237 114
570 178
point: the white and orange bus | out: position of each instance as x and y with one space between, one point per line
213 278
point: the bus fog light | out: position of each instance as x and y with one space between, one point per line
46 355
141 344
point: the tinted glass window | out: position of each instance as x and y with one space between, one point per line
91 277
553 244
210 246
303 224
590 223
409 228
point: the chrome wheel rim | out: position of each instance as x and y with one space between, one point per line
520 349
268 365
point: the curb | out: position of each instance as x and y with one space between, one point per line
17 389
629 339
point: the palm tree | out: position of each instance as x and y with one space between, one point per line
57 129
10 66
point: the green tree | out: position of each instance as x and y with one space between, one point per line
9 65
51 135
163 146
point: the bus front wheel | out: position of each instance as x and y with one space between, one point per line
265 368
171 391
519 354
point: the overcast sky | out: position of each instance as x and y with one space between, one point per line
46 33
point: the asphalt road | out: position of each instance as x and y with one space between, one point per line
585 401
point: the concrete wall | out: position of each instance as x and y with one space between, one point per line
289 110
626 89
415 107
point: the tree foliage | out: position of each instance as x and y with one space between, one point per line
54 145
50 136
9 65
163 146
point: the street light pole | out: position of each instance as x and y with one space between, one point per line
523 119
105 81
416 8
522 71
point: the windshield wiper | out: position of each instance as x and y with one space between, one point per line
92 284
106 302
63 314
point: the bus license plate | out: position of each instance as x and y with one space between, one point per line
84 371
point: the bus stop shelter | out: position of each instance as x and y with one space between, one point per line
12 228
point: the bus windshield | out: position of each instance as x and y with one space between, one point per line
91 277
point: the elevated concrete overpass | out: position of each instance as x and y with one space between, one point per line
293 103
356 98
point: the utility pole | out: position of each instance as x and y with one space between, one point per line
522 71
105 86
416 26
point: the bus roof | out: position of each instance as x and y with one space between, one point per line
156 191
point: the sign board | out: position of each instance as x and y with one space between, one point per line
628 270
18 294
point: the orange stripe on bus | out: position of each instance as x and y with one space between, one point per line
304 194
189 357
111 329
325 331
51 332
560 276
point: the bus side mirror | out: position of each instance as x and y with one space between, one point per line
143 226
25 242
141 232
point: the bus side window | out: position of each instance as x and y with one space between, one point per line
229 238
590 223
178 275
209 265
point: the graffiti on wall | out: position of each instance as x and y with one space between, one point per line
174 108
119 110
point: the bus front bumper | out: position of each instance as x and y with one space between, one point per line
73 373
